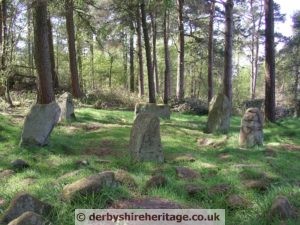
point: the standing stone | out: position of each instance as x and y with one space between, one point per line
161 111
39 123
145 143
251 132
66 105
219 115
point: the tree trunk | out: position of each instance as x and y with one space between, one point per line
269 62
125 58
148 55
167 88
52 59
131 60
180 69
5 36
42 53
140 53
227 79
154 55
111 60
210 52
29 40
69 5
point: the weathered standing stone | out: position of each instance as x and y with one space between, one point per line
89 185
251 132
161 111
145 143
66 105
39 123
23 203
29 218
219 115
282 209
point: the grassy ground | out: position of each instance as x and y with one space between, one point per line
99 134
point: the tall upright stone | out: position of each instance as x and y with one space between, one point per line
145 142
66 105
219 115
39 124
251 132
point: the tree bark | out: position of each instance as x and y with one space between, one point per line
5 35
180 69
167 87
154 55
140 53
227 79
42 53
52 58
131 60
210 52
69 5
269 62
29 40
148 54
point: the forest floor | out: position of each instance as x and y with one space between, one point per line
101 137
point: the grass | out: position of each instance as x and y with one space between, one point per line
106 133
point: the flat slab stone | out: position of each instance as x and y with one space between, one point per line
89 185
146 203
30 218
23 203
186 173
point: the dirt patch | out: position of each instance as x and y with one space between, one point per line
290 147
103 149
146 203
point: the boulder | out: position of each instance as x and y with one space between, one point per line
161 111
219 115
65 102
19 164
39 124
29 218
251 132
145 143
282 209
23 203
89 185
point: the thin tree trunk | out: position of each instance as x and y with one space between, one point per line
131 60
80 68
140 53
5 36
92 64
29 40
42 53
52 58
110 69
167 88
227 79
210 52
148 55
269 62
125 59
180 69
154 55
69 5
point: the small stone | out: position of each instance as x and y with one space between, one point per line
185 158
186 173
146 203
80 163
282 209
193 189
29 218
19 164
219 189
236 201
89 185
156 182
23 203
124 178
6 173
260 185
